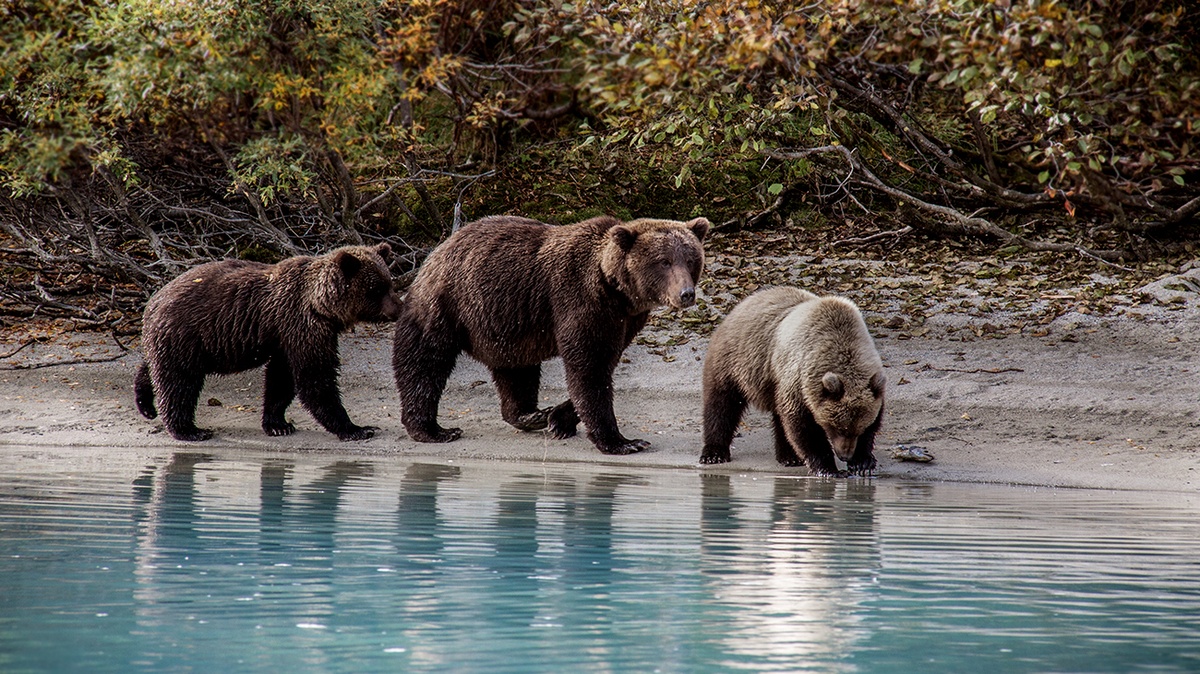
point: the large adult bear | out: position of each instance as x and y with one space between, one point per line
513 292
811 363
234 315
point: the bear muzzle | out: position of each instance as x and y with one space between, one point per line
687 297
389 308
843 445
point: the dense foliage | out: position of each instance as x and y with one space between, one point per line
138 137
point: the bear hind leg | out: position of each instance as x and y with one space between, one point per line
563 421
279 389
724 405
178 401
785 454
518 389
143 391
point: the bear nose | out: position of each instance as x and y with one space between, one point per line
687 297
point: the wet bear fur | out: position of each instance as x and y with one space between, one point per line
234 315
513 292
807 360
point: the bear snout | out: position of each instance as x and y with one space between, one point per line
687 297
389 309
843 445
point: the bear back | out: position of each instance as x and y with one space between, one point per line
228 314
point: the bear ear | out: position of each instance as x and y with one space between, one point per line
623 237
349 264
384 251
833 385
878 381
699 227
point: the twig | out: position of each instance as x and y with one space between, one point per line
963 224
77 361
872 238
975 370
14 352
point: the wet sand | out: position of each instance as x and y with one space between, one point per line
1108 404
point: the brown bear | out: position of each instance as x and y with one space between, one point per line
811 363
513 292
233 315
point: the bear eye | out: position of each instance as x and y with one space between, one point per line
664 262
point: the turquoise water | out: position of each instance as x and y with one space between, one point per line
134 561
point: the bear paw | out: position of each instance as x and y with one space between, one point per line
864 468
277 429
564 422
627 447
534 421
715 455
191 434
358 433
437 434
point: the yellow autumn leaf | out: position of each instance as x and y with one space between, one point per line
1053 63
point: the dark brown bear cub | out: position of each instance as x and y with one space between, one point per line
811 363
513 292
229 316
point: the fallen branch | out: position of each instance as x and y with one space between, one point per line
14 352
974 370
960 222
897 233
77 361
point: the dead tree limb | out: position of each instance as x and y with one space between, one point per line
953 220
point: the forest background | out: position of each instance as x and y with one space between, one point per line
1041 140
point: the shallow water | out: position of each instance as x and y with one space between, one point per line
129 560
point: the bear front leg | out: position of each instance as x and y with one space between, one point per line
589 367
178 394
315 380
810 443
785 454
518 389
863 462
278 392
421 367
724 405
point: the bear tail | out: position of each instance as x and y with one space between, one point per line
143 391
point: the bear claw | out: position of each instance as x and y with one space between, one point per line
192 435
534 421
437 435
863 470
276 429
359 433
563 421
628 447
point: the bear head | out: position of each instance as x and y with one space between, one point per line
846 404
353 285
656 262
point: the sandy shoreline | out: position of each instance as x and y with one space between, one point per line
1109 404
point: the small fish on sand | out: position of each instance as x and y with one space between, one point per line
912 453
